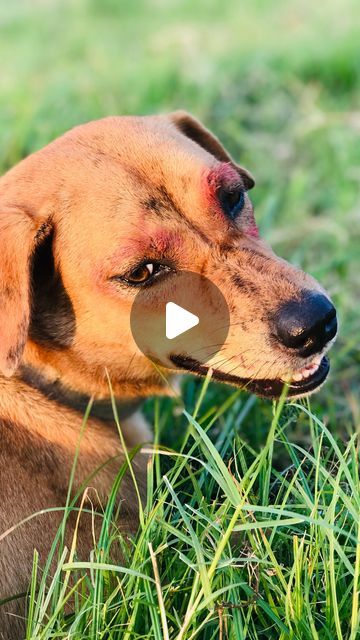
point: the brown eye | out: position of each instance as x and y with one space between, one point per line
141 274
144 274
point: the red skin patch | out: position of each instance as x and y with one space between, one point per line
164 241
224 174
253 230
154 244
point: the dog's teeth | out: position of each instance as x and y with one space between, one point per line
286 378
304 372
309 369
297 376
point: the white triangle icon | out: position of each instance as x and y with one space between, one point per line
178 320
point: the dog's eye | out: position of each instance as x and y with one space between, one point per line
232 201
142 274
145 273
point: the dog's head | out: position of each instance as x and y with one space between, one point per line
119 204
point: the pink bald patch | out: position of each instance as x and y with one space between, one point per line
253 230
145 245
220 176
223 175
165 241
132 250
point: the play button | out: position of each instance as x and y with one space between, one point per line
178 320
180 316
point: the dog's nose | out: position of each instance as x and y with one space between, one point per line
306 325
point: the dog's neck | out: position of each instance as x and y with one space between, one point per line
87 376
55 390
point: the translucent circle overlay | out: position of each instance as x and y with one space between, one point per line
194 293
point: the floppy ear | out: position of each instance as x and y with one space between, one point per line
20 231
194 130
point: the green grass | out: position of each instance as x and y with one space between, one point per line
254 532
229 545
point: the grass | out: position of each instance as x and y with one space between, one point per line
251 528
229 546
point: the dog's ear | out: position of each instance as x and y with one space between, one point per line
193 129
20 232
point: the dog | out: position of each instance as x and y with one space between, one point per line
108 208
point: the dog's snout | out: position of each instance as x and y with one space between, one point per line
306 325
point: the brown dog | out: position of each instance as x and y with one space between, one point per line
109 207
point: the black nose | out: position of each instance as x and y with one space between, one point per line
307 324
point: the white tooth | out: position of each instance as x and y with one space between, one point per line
286 377
310 369
297 376
303 373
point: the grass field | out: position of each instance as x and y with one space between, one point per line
251 528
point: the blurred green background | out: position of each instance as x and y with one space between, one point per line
278 82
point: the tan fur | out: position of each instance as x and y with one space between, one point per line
102 193
38 443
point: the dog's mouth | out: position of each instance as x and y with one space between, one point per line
300 383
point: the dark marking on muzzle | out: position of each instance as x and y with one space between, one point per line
245 286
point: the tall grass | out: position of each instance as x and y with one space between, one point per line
231 544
